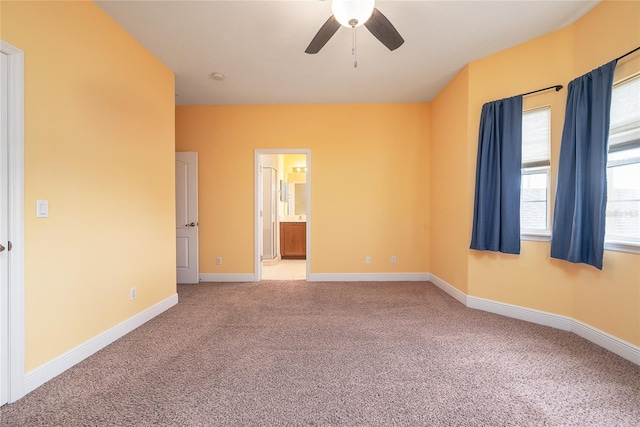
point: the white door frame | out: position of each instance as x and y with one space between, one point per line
257 191
16 219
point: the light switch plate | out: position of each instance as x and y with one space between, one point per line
42 209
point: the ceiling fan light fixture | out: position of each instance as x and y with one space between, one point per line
352 13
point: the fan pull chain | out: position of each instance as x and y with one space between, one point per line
353 51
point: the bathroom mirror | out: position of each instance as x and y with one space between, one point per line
297 204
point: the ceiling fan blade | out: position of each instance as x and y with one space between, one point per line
324 34
384 30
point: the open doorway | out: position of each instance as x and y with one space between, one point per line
282 214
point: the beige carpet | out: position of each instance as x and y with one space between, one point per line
336 354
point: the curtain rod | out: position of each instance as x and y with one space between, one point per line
627 54
556 87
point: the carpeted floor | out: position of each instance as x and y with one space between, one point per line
336 354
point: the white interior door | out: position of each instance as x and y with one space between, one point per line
187 217
4 226
12 376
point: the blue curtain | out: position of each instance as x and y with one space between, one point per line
496 215
581 193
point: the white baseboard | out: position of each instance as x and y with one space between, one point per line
368 277
227 277
613 344
522 313
324 277
451 290
607 341
58 365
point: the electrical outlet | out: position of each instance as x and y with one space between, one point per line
393 259
219 260
367 259
133 293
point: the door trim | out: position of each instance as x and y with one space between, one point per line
257 225
15 127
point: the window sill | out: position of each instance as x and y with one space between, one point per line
631 248
536 237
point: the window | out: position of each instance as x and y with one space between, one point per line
622 230
534 198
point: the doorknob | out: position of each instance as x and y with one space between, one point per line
193 224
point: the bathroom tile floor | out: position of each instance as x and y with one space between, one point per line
285 269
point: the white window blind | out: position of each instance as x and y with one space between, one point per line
534 198
623 166
624 130
535 137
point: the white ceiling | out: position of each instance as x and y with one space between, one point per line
259 46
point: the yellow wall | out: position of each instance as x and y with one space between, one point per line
99 145
369 181
449 177
609 299
610 30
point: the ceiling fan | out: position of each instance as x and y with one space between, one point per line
352 14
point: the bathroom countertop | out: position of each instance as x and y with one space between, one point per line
294 218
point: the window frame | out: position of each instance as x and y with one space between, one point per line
536 167
612 244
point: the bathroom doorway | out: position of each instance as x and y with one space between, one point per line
282 214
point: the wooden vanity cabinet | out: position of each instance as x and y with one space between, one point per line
293 240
